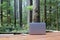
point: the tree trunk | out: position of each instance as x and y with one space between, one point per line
20 11
14 13
45 13
57 17
36 11
50 14
30 11
1 13
45 18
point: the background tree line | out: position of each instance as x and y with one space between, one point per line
13 16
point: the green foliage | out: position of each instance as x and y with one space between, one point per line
51 17
30 7
8 28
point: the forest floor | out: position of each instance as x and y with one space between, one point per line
48 36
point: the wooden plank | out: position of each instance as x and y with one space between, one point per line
48 36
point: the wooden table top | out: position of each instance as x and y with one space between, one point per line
48 36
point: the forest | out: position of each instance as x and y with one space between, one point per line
15 15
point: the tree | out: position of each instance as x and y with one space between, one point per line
57 16
20 11
36 11
50 7
1 13
15 13
31 11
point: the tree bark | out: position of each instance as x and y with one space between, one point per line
45 13
14 13
50 13
57 17
45 18
20 11
36 11
30 11
1 13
